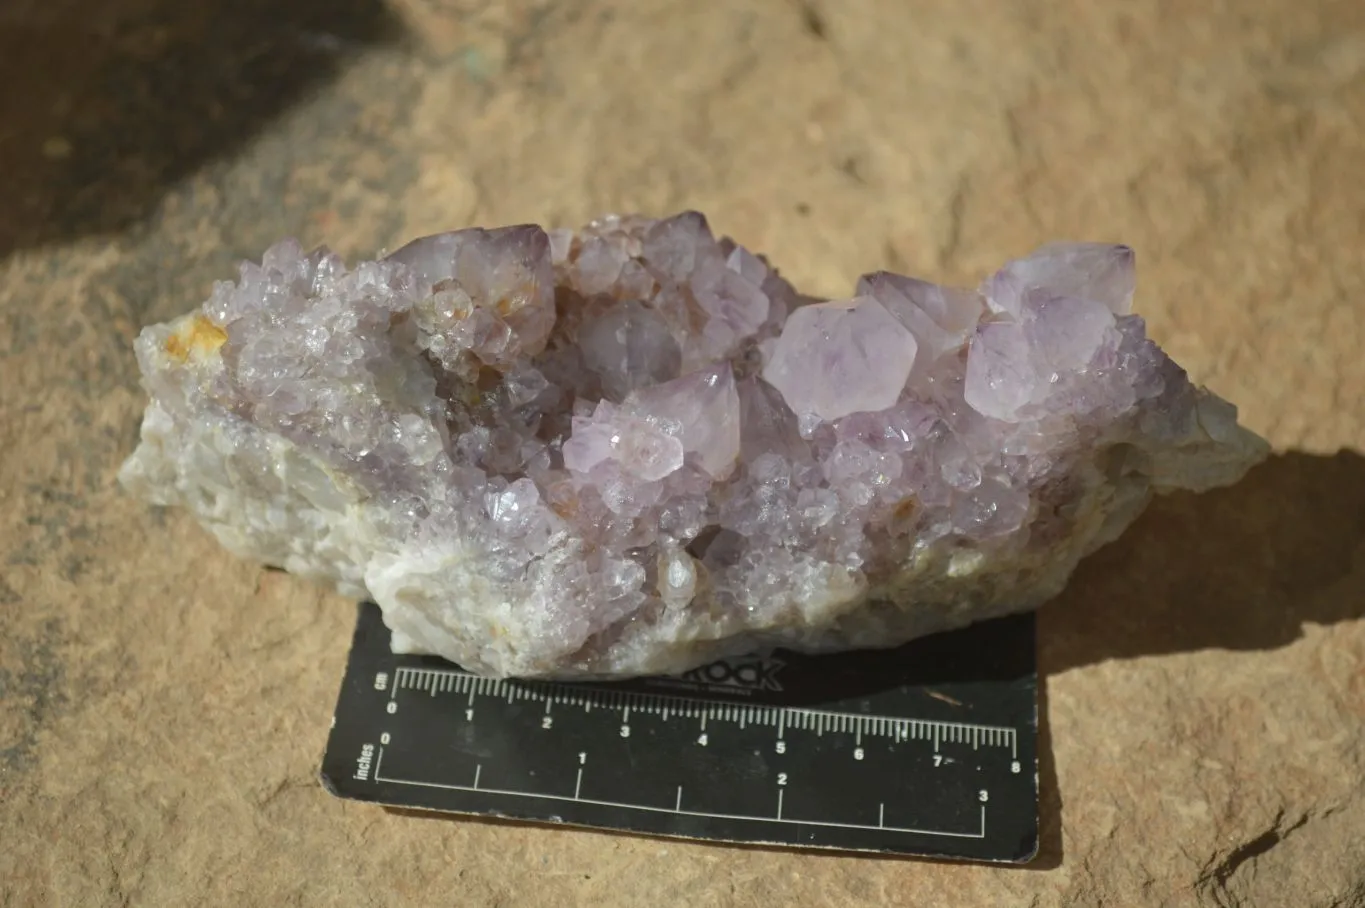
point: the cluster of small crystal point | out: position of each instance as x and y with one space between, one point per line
635 447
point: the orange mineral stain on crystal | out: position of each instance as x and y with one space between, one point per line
905 508
199 336
514 300
565 506
562 499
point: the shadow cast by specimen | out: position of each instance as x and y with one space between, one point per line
1241 568
111 103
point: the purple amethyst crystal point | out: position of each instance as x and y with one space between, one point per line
702 411
634 447
1097 272
940 318
486 296
833 359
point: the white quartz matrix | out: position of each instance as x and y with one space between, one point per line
634 447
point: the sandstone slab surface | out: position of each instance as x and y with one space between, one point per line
163 706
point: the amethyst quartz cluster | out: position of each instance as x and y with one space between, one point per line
634 447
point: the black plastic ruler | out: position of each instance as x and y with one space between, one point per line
929 749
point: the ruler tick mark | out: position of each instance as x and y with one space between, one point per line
478 768
881 816
578 783
677 804
779 803
664 705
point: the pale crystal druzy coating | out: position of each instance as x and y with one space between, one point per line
634 447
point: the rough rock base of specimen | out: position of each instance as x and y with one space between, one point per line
634 447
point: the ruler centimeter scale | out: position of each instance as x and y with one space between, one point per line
928 749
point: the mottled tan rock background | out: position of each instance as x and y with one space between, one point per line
163 707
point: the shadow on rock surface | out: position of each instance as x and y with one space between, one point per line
1241 568
108 103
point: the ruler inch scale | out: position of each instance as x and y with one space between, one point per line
929 749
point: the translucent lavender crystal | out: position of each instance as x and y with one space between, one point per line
1098 272
634 447
833 359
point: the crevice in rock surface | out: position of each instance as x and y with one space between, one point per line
1219 883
